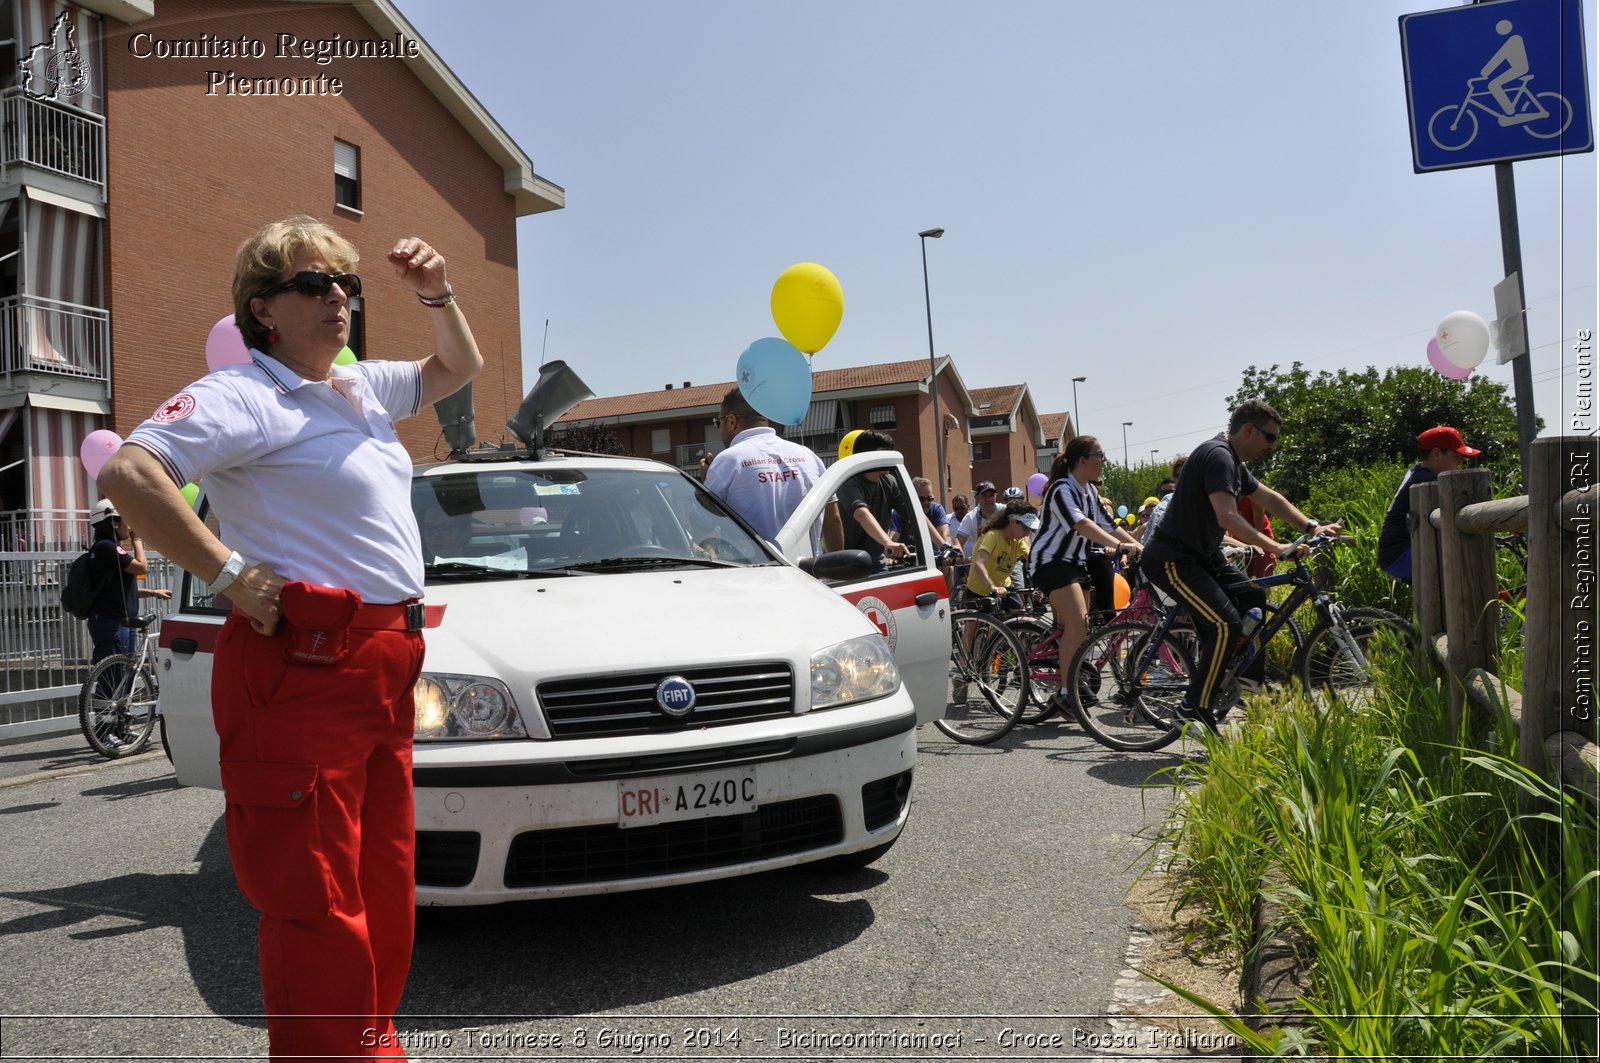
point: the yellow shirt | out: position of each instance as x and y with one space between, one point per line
1003 557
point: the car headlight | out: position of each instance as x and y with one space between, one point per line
455 707
858 669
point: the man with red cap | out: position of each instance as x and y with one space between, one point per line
1442 449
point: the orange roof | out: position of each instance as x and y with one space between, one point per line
1052 424
911 372
1002 399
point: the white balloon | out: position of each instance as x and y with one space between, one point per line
1463 338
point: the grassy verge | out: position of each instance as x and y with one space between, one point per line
1442 921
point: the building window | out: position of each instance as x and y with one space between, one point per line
882 417
660 440
982 451
347 176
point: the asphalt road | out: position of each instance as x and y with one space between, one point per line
999 910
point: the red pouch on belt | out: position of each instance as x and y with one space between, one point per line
318 621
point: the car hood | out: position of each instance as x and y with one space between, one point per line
590 625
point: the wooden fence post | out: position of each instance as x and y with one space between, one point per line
1469 586
1425 565
1559 664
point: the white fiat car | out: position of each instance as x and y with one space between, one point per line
629 688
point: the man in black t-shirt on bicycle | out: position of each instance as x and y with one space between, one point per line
1185 557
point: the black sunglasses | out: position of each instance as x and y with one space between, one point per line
316 283
1270 437
926 498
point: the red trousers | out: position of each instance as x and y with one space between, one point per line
316 769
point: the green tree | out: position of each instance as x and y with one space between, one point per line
1335 420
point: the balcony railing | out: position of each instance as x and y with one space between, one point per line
50 136
39 335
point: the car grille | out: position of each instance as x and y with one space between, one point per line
882 801
446 857
625 704
608 853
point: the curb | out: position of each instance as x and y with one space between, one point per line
81 769
1274 972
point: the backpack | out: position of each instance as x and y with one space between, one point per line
78 591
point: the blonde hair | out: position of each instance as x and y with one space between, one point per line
266 257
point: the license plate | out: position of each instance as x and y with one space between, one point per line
702 795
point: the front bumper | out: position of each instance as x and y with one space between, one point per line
548 826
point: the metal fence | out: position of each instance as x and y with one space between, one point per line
52 136
44 651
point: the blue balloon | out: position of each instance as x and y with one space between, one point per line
1122 511
775 379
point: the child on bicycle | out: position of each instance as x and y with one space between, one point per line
1002 543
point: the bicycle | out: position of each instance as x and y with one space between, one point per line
988 679
1141 672
1528 109
1041 639
117 705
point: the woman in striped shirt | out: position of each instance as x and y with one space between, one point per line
1073 520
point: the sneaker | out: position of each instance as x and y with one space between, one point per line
1061 709
1194 714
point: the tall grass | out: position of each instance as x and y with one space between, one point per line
1442 921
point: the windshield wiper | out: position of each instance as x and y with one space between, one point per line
461 569
654 562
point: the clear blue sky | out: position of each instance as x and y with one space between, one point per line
1153 196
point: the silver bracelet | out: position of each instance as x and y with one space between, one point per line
446 299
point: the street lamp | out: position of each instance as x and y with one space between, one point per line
1077 425
1153 452
1125 425
933 370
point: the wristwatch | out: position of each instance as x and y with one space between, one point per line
230 572
1311 526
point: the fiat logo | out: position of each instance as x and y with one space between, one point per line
675 696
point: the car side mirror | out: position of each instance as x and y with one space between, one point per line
838 565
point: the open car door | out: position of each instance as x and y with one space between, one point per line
909 601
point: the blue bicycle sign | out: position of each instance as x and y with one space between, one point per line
1496 82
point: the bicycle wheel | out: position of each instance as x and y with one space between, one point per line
1558 115
117 707
1455 134
1137 683
1342 653
988 680
1044 670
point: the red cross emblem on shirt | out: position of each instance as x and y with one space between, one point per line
174 409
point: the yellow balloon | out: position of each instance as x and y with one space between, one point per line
807 305
345 357
191 493
847 445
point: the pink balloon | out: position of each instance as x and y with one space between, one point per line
1037 483
225 345
1446 367
97 448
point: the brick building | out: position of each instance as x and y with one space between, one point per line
157 135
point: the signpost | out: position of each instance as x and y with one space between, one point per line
1496 82
1493 83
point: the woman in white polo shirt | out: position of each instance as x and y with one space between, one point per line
320 557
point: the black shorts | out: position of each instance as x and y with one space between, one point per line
1053 575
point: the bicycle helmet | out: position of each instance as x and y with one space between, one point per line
1011 494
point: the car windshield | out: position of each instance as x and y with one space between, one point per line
509 522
